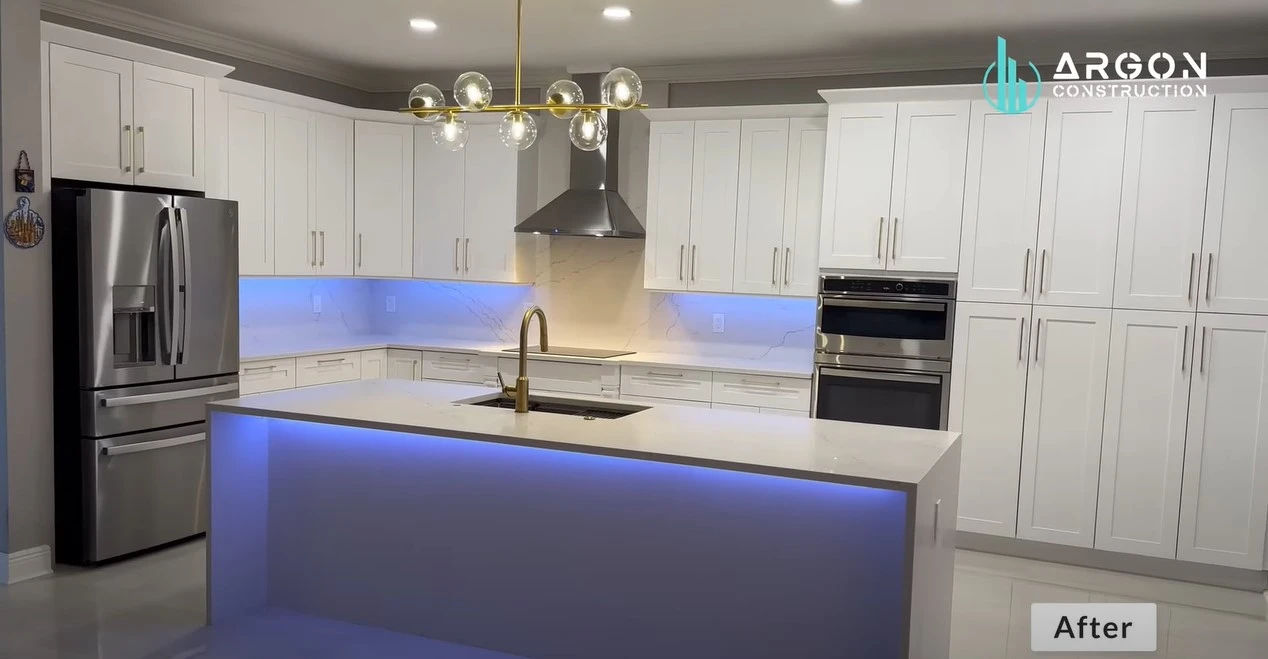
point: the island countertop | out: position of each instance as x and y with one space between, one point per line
811 449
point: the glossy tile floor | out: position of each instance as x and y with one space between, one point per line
153 608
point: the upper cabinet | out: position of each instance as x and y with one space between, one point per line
146 124
714 184
249 161
1079 202
383 199
669 163
894 186
1233 270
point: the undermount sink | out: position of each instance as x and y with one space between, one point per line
566 406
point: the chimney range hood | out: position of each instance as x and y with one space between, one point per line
592 205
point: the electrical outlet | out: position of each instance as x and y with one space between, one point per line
391 304
316 304
719 323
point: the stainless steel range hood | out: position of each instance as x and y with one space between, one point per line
592 205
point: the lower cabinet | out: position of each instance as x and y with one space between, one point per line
374 364
404 364
272 375
562 377
468 367
1224 499
325 369
1061 438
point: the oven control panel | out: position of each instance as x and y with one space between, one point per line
887 286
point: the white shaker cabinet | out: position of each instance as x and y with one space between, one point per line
439 208
714 181
803 205
988 407
383 199
491 206
294 186
333 212
96 145
1234 270
1146 409
170 114
928 186
1224 501
759 219
1001 204
1163 202
856 186
1079 203
404 364
374 364
670 152
249 153
1061 440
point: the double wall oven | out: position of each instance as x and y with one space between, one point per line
883 352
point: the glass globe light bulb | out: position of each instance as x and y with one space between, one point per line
518 130
425 97
622 89
450 134
588 130
564 92
473 91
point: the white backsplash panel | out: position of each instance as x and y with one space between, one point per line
278 311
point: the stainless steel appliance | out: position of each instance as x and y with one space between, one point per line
883 350
146 333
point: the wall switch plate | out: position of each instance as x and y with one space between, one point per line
719 323
391 304
316 304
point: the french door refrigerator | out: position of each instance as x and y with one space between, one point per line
145 306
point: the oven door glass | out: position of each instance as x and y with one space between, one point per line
921 321
912 400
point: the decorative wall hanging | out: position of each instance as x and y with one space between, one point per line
24 227
23 175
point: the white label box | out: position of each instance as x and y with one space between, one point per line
1094 627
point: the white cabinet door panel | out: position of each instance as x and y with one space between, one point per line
1224 502
404 364
250 181
294 189
95 145
1061 442
1142 454
327 369
928 186
1164 199
668 204
439 208
171 125
857 185
759 218
333 162
1078 208
988 408
374 364
714 181
384 199
488 248
1234 270
803 206
1001 205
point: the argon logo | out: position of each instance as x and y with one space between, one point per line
1012 94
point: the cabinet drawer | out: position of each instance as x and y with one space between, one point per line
651 400
762 391
272 375
325 369
659 382
466 367
565 377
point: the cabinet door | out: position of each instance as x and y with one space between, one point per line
715 170
439 202
1061 442
383 199
488 248
803 205
1234 272
1078 208
250 181
91 145
759 213
1142 455
857 184
374 364
988 407
1164 199
927 200
1224 502
170 127
295 243
1001 204
669 163
333 212
403 364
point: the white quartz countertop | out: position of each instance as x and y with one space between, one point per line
787 363
813 449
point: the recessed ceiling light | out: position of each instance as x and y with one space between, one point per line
848 2
422 24
616 13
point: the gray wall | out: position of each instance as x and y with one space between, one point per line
28 344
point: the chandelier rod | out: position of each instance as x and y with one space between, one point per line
519 32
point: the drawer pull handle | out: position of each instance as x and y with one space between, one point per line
259 369
657 374
330 361
759 383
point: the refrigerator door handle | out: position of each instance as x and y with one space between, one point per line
180 248
167 308
165 396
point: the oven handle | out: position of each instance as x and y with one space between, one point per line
875 375
881 304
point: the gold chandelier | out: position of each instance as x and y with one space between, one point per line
621 90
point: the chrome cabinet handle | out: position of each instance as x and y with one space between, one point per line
258 369
127 148
656 374
693 263
1184 348
140 160
774 259
360 240
329 361
322 235
1021 336
313 262
1210 273
1025 274
1202 365
893 242
466 256
880 238
787 266
1043 266
681 249
1038 335
456 242
1188 289
759 383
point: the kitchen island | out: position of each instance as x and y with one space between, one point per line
669 532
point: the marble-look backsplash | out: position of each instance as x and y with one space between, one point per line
277 311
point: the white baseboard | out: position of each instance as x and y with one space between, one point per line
28 563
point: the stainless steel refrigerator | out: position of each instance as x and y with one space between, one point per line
145 289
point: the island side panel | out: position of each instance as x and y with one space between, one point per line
933 557
555 554
237 556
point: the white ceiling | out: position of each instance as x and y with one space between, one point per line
371 38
